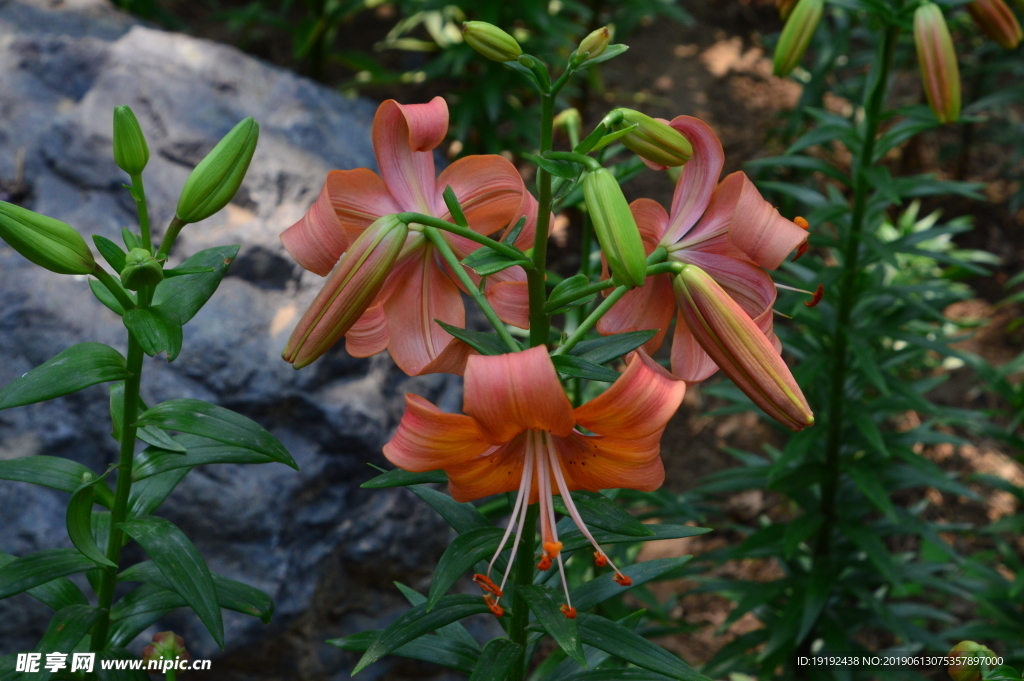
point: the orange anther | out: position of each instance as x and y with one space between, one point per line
819 293
493 605
622 579
801 222
544 564
487 584
600 560
568 611
552 548
801 249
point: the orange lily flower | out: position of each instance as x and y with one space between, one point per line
728 230
520 432
419 288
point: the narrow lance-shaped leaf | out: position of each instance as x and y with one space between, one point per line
79 521
78 367
39 568
67 627
400 478
496 660
429 648
550 616
201 451
624 643
54 472
186 295
56 594
462 554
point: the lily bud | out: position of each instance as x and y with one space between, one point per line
141 269
131 153
740 348
215 180
785 8
967 671
45 241
596 43
655 141
165 646
491 41
997 21
349 291
940 74
615 228
796 35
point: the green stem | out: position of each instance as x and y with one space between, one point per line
848 292
453 262
170 237
580 293
121 493
115 288
572 156
584 328
523 576
139 194
540 322
510 252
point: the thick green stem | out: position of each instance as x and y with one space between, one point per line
481 300
540 322
121 493
418 218
848 292
139 194
170 237
591 321
523 576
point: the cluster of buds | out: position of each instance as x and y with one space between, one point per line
141 269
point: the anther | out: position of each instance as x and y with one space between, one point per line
801 222
493 605
819 293
544 564
552 548
622 580
487 584
800 251
568 611
600 560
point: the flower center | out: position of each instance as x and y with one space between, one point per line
542 467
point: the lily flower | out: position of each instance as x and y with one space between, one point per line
520 432
728 230
419 288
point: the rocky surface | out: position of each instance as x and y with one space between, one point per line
324 549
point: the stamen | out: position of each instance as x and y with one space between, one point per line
519 519
600 560
492 603
487 584
548 533
524 481
568 611
801 223
622 579
816 297
800 250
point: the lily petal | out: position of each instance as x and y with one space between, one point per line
638 404
369 335
748 284
510 298
428 439
404 136
649 307
595 462
489 189
689 361
510 393
497 472
699 177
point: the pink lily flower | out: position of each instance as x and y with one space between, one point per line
520 432
419 288
728 230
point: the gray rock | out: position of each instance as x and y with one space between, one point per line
325 550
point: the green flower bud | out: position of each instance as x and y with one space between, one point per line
130 150
218 176
967 668
165 646
936 56
615 228
490 41
141 269
796 35
47 242
655 141
595 43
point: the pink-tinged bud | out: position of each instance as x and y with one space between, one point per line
796 35
491 41
940 74
968 667
997 21
349 291
740 348
654 140
596 43
166 646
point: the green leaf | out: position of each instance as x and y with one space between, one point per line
454 208
462 517
182 566
818 588
184 296
599 511
417 622
148 434
40 568
565 295
628 674
156 329
435 649
104 295
869 542
131 240
542 604
67 627
569 365
626 644
614 136
799 531
53 472
145 599
513 234
216 423
605 349
182 271
201 452
76 368
485 261
400 478
57 594
600 589
572 539
79 522
111 252
610 52
147 495
462 554
454 631
231 594
867 482
567 170
484 343
869 429
497 660
124 631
